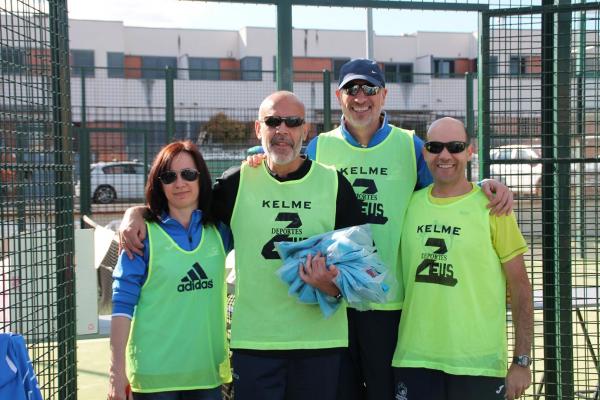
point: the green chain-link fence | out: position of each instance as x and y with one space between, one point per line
541 135
36 209
539 131
121 123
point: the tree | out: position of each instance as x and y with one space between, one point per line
221 128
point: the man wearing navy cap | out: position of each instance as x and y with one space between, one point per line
385 165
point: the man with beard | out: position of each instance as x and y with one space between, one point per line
282 349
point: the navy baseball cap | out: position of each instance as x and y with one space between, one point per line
361 68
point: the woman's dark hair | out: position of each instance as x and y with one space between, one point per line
155 195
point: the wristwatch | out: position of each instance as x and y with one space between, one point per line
522 361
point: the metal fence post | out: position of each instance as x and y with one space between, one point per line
483 82
84 158
580 131
169 103
469 114
284 71
64 230
557 296
326 100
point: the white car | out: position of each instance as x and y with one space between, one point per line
116 180
524 174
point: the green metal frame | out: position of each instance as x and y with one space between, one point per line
64 228
326 101
483 82
84 157
170 105
556 203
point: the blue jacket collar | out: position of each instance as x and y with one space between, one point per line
378 137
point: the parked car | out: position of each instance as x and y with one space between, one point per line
523 170
523 174
116 180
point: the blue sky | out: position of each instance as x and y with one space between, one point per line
210 15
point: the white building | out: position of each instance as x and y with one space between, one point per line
111 44
232 71
124 68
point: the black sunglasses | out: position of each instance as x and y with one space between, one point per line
368 90
187 174
291 122
453 147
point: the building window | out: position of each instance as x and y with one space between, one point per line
310 69
12 60
82 60
398 73
443 68
337 65
133 67
533 64
115 62
153 67
204 69
518 65
251 68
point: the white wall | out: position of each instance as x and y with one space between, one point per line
446 44
176 42
328 43
401 49
258 42
100 36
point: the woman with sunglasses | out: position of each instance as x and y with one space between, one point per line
168 338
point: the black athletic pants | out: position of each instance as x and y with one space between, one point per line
308 375
431 384
366 372
201 394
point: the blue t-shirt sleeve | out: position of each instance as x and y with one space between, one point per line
311 149
226 236
424 177
128 278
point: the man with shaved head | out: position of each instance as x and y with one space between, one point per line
457 261
282 349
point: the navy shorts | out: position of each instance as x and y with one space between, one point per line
200 394
286 375
428 384
366 372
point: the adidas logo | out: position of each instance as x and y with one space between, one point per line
195 279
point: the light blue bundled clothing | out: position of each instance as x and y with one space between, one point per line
352 251
17 378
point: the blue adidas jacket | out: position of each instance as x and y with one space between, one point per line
17 378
